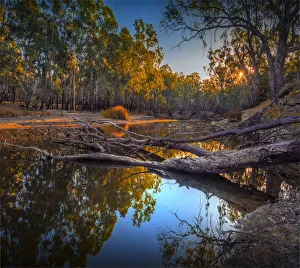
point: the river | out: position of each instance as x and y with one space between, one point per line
58 213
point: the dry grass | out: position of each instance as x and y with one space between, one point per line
117 112
8 109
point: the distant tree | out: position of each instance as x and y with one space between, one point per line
274 22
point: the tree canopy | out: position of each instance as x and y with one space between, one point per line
274 22
72 54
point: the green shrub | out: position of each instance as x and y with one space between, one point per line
117 112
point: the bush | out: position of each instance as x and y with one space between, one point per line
117 112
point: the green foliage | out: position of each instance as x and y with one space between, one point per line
50 48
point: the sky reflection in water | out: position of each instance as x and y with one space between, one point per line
131 246
48 219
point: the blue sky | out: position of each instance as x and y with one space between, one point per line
191 57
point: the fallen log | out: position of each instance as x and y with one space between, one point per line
215 163
163 141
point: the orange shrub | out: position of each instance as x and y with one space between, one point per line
117 112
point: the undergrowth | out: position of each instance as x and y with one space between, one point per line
13 110
117 112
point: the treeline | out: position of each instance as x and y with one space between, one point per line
57 53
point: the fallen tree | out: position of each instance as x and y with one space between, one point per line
218 162
132 150
91 137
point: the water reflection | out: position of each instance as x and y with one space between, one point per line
58 212
200 242
55 213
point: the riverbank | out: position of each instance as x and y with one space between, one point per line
269 236
62 119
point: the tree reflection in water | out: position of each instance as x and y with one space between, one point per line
53 213
199 242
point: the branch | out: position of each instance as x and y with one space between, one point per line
28 148
293 49
234 131
218 162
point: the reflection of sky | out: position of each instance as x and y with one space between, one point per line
133 246
190 58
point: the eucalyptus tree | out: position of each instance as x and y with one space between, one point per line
9 53
26 24
170 81
96 23
137 67
274 22
249 53
149 55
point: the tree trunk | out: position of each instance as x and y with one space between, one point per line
255 87
218 162
63 100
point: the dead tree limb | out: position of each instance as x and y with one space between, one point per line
92 137
207 163
233 131
218 162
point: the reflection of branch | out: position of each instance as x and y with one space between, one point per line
196 247
134 174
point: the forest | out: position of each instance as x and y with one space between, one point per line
109 158
57 54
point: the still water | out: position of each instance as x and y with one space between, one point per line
65 214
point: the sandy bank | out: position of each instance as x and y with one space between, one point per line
66 120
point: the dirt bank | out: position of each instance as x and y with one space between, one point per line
64 119
270 237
